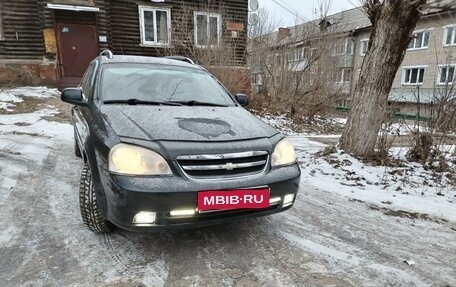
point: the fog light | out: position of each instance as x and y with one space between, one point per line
274 200
144 217
183 212
288 200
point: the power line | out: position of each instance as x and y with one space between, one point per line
294 13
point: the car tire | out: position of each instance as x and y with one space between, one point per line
88 205
77 151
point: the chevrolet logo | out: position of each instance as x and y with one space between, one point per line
229 166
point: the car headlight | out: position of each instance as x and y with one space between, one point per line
134 160
284 154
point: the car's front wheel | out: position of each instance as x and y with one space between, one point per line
88 204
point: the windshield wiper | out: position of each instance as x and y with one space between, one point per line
142 102
197 103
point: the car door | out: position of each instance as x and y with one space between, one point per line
80 113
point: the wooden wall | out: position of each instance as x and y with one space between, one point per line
24 21
125 32
22 30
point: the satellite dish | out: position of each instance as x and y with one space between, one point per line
254 5
253 19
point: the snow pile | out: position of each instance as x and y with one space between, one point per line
34 124
403 128
319 125
10 97
336 120
8 101
405 187
281 122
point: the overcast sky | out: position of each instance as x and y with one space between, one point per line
284 11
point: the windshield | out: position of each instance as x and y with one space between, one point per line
157 83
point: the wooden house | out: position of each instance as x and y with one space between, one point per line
52 42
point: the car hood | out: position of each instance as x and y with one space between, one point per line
184 123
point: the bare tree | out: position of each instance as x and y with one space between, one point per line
301 68
219 54
393 22
444 100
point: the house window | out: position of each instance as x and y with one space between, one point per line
413 76
447 75
155 24
420 40
346 75
345 48
450 36
343 75
349 46
297 55
364 47
207 29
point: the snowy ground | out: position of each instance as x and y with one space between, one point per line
9 98
352 225
408 189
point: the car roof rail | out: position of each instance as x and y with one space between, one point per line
181 58
107 53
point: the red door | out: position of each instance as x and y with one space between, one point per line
78 46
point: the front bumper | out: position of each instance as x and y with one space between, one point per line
126 196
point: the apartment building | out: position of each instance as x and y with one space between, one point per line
339 44
427 73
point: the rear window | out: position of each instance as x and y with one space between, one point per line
149 82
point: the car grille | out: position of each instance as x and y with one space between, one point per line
224 165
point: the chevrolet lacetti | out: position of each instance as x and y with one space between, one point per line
166 145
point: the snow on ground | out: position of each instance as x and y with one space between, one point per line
324 240
10 97
280 122
410 188
319 126
34 124
404 128
31 123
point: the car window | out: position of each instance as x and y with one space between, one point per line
87 83
148 82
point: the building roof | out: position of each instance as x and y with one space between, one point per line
339 23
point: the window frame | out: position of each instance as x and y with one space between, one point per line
345 45
297 55
419 67
416 32
362 42
142 28
445 35
341 75
219 27
88 80
439 75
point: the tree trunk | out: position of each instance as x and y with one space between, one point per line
393 22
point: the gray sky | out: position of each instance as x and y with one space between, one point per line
306 9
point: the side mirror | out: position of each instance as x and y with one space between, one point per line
242 99
73 96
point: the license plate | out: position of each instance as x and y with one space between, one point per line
216 200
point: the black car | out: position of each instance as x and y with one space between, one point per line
166 145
